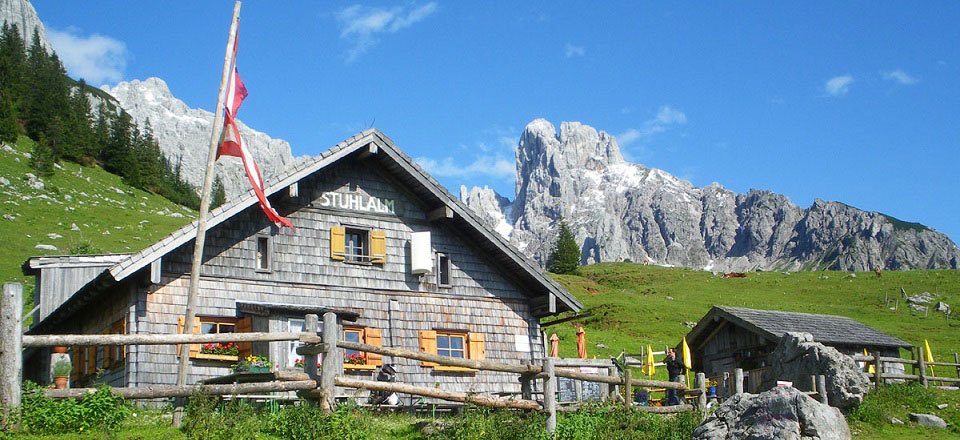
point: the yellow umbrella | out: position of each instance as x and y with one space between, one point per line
648 368
928 355
687 359
870 368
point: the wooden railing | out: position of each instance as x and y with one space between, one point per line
919 368
317 384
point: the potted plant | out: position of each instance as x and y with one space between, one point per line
253 364
61 372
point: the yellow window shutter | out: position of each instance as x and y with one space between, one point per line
428 344
372 337
108 351
478 350
378 247
77 359
195 348
91 359
337 250
245 325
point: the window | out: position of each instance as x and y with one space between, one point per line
454 344
357 245
451 345
114 355
86 361
358 360
443 270
225 351
263 253
295 325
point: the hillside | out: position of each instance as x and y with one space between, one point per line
634 305
78 209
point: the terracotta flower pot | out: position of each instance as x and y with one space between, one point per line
60 382
60 349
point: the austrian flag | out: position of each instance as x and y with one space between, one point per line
231 144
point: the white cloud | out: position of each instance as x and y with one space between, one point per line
95 58
900 76
838 85
493 166
574 51
665 118
361 24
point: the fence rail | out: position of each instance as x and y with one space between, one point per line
919 366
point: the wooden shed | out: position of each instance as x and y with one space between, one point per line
377 240
733 337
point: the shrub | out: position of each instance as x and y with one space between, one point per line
101 410
310 423
204 418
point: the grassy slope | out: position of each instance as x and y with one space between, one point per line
111 216
632 305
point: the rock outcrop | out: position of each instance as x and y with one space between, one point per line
22 14
797 357
184 135
494 210
781 413
623 211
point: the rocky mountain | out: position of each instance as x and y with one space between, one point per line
184 135
22 14
623 211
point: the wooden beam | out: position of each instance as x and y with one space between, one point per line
476 399
443 212
442 360
567 319
370 150
159 391
162 339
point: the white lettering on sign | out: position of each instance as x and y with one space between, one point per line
358 202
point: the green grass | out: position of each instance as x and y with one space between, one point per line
110 215
634 305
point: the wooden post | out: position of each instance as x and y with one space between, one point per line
738 381
923 368
627 387
332 362
612 391
310 360
822 389
877 370
701 382
956 360
604 391
813 382
11 350
550 395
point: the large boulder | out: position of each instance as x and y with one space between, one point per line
778 414
797 357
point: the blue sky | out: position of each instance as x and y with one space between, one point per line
854 102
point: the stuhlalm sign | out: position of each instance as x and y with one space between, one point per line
358 202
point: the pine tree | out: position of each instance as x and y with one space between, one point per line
9 129
565 255
219 193
42 158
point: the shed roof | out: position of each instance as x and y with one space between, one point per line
374 145
773 324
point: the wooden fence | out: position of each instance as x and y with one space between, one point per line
319 384
918 366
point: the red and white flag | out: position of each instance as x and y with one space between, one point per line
231 144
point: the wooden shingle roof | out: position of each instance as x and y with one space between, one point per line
772 325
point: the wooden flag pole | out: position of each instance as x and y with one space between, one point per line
190 313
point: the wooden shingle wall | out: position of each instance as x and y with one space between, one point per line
481 299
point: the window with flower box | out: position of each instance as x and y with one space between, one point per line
218 351
452 343
358 360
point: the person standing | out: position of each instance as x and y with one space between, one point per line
675 370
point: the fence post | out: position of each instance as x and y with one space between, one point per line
822 389
550 395
877 370
11 348
627 387
956 360
702 386
612 391
923 368
332 362
738 380
310 361
604 391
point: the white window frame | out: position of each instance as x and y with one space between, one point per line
260 256
442 269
